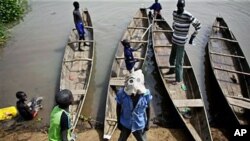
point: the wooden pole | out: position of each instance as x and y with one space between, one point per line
233 71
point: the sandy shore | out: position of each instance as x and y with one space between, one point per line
159 134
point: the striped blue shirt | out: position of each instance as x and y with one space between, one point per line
181 24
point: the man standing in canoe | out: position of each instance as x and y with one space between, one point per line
181 23
128 55
133 108
157 9
79 23
60 126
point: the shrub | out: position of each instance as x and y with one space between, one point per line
11 10
3 34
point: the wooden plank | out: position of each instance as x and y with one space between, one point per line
111 119
167 45
239 102
80 41
233 71
224 39
140 17
223 27
229 55
168 67
77 92
163 31
159 20
78 59
90 27
136 41
137 27
117 81
240 98
188 103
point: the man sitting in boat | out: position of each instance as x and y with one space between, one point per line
27 111
79 24
128 54
157 9
60 125
181 23
133 107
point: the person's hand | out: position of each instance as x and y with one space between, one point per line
191 39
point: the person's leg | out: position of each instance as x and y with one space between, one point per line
140 135
172 59
158 16
80 30
79 44
124 134
179 63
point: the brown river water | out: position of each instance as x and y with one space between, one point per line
31 60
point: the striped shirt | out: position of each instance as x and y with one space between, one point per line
181 24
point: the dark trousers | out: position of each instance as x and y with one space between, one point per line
140 135
176 59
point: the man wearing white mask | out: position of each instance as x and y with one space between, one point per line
133 107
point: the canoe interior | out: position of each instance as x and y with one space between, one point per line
230 67
77 68
135 33
182 99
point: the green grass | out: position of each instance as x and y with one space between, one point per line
3 34
11 12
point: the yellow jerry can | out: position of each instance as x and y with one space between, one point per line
8 113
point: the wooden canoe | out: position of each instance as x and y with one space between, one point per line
137 34
230 69
77 67
183 100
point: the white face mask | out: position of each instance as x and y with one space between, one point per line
135 83
130 86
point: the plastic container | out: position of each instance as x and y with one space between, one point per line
8 113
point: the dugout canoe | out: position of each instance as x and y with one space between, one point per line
230 69
184 101
137 34
77 67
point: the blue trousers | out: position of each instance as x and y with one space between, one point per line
176 59
140 135
80 30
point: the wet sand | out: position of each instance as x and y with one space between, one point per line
31 60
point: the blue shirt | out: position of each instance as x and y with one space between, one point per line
129 57
133 118
155 7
